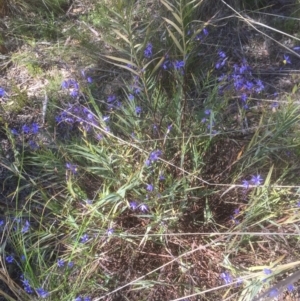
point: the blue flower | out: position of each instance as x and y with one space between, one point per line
207 112
133 205
9 259
25 227
34 128
111 98
14 132
154 156
143 208
178 65
259 86
226 277
60 263
205 31
74 93
149 187
87 299
244 97
148 51
25 129
290 287
274 292
161 177
256 180
287 59
72 168
27 287
130 97
84 238
33 145
222 54
70 264
2 92
267 271
78 299
138 110
110 231
42 293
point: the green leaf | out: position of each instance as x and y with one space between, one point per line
174 25
176 41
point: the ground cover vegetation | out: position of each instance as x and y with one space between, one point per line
149 150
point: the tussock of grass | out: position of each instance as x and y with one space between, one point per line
152 160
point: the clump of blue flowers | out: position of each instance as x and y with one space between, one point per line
153 157
148 51
77 115
72 86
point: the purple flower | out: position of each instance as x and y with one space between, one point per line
207 112
154 156
259 86
14 132
274 292
25 129
244 97
27 286
33 145
220 64
2 92
148 51
161 177
34 128
133 205
111 98
74 93
178 65
42 293
226 277
290 287
274 105
222 54
60 263
84 238
267 271
26 227
78 299
9 259
166 64
149 187
87 299
143 207
130 97
205 31
70 264
236 211
89 79
256 180
110 231
287 59
246 184
138 110
72 168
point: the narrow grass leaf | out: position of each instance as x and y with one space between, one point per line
174 25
